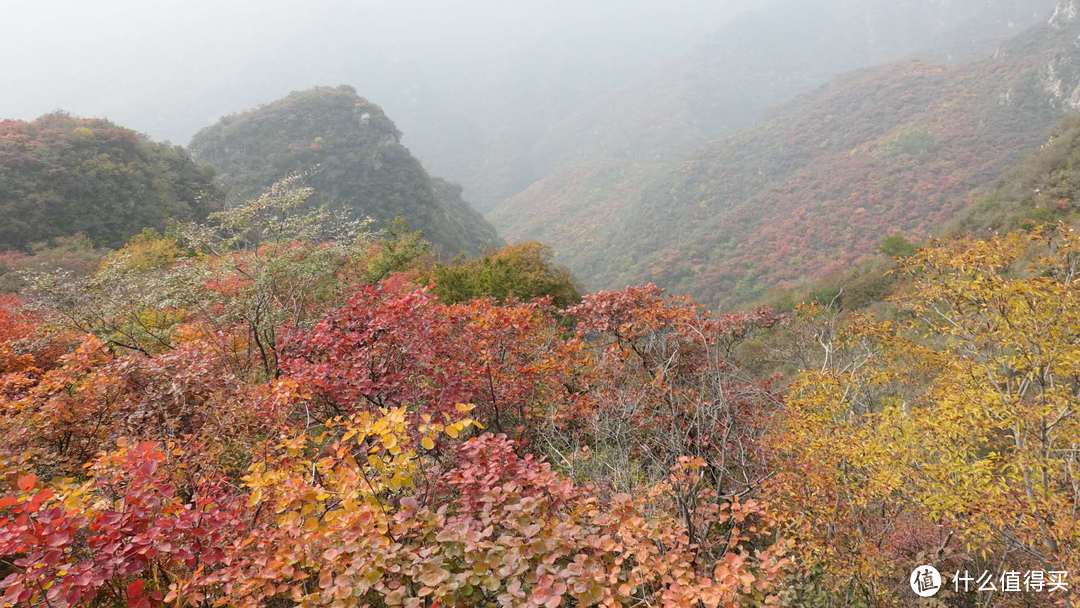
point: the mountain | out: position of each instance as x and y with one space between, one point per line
816 186
61 175
352 156
1044 189
762 58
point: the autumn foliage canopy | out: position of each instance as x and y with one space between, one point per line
260 414
261 424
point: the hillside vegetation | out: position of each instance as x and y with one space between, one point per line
287 420
1044 189
817 186
61 175
350 153
724 83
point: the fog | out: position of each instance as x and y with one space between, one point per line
493 94
170 67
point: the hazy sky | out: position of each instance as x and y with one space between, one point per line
169 67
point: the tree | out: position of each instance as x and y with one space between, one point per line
667 384
523 272
949 435
896 246
270 264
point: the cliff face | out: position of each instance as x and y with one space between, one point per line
352 154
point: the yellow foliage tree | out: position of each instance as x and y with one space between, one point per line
949 435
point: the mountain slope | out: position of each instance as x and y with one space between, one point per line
61 175
728 82
815 187
1043 189
353 158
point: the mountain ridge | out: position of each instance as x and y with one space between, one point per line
350 153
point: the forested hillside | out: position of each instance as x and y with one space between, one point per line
61 175
725 84
1044 189
817 186
350 153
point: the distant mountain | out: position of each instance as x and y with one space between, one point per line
353 157
763 58
61 175
817 185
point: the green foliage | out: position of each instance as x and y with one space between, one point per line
866 285
261 265
283 213
61 175
146 251
522 272
896 246
913 142
400 249
352 159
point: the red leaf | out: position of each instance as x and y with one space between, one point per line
27 482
